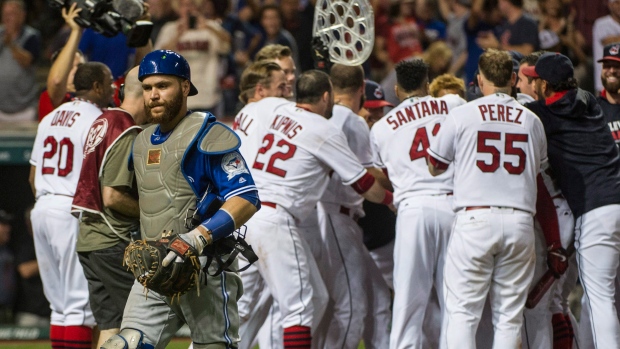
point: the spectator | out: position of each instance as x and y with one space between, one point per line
298 21
606 30
483 17
557 33
399 35
161 13
455 13
7 268
438 56
433 29
518 32
270 18
60 88
17 64
202 42
447 84
31 306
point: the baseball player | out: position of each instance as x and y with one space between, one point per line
283 56
496 148
262 85
180 159
583 155
56 162
379 223
424 202
107 201
609 99
298 151
345 264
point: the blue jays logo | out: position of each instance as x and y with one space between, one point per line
233 164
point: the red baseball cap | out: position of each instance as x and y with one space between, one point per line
375 98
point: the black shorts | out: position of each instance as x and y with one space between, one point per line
109 284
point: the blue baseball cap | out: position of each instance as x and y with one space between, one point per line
552 67
375 97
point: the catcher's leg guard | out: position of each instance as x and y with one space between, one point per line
128 338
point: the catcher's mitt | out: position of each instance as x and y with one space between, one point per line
144 259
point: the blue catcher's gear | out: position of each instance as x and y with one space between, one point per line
166 62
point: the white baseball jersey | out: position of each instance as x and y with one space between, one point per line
497 147
297 153
59 147
399 142
251 124
357 133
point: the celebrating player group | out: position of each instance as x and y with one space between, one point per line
151 216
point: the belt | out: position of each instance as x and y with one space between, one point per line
268 204
469 208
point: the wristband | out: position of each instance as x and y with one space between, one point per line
388 198
221 224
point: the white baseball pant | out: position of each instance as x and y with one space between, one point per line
491 252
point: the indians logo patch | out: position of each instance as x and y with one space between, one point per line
233 165
614 50
378 93
95 135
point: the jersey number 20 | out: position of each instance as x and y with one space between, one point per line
509 149
281 155
64 148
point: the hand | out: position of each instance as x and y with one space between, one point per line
195 238
146 15
557 259
69 16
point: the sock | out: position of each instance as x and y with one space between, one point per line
57 336
561 334
569 324
297 337
78 337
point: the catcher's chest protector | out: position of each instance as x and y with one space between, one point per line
165 194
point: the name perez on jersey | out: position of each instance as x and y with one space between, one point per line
422 110
500 112
286 126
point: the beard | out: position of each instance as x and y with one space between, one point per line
171 110
611 87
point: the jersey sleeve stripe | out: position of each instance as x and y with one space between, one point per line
355 178
239 191
438 157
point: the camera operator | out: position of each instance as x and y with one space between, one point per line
114 51
19 50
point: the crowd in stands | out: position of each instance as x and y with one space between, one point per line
219 38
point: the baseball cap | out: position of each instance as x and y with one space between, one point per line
375 97
611 53
552 67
